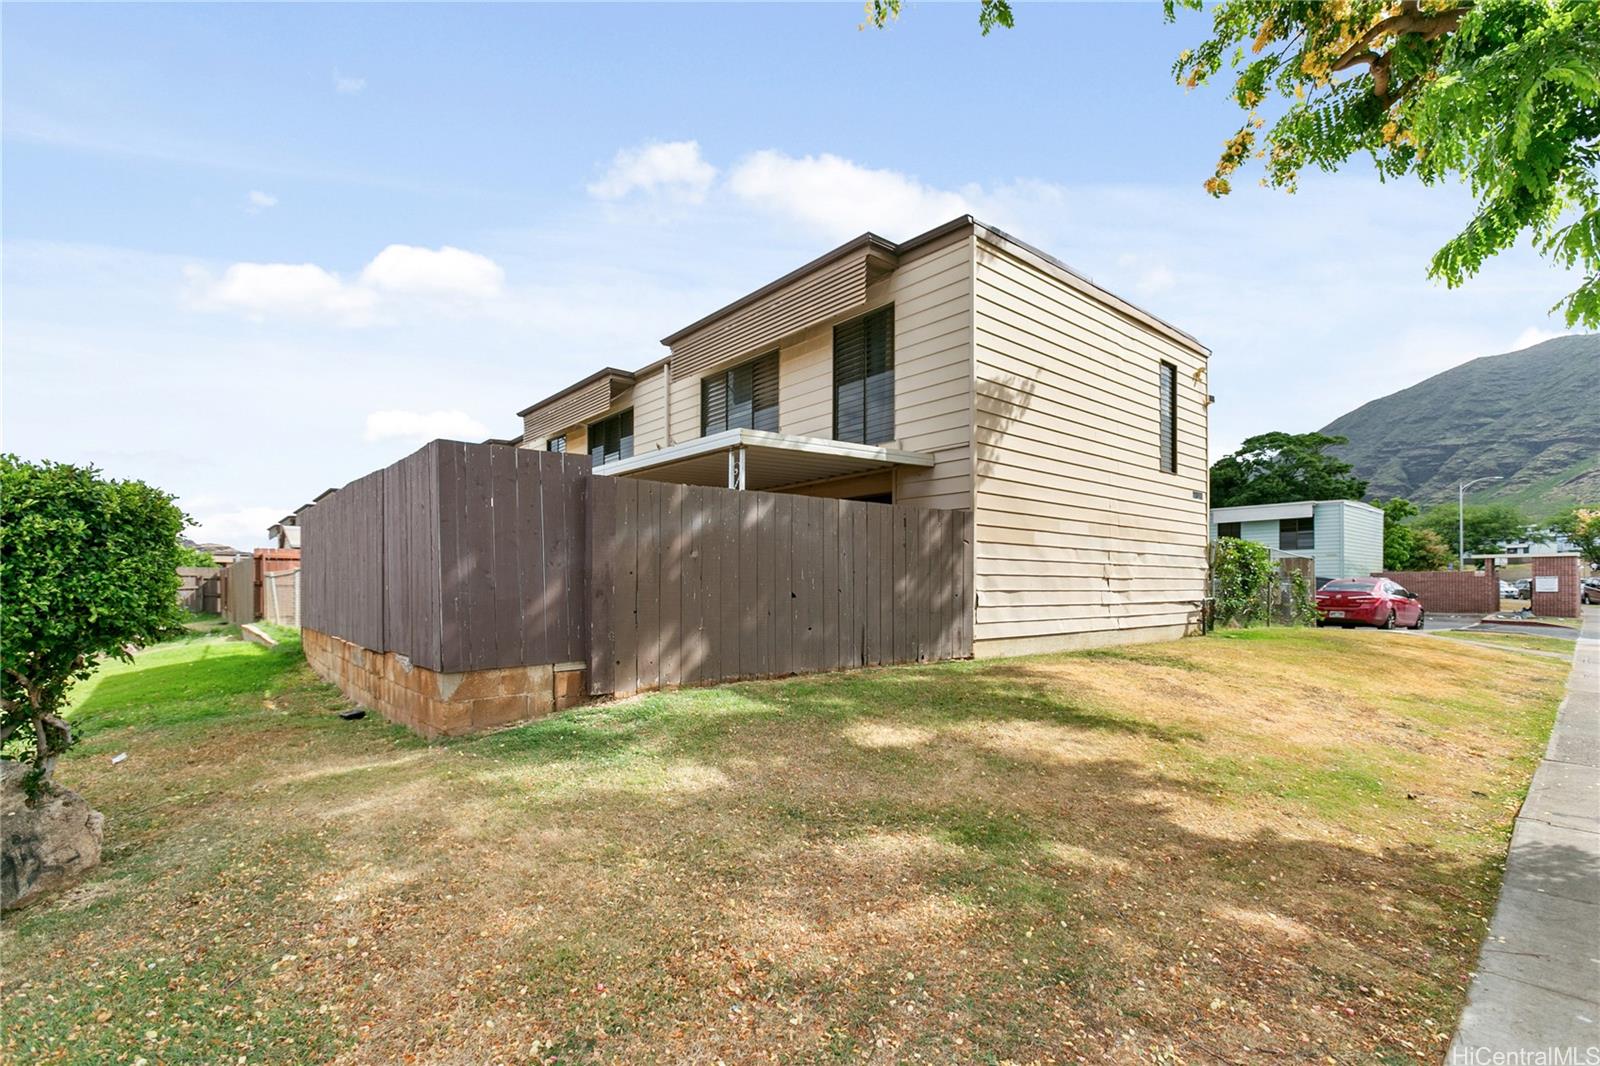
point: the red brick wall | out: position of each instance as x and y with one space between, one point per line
1452 591
1563 603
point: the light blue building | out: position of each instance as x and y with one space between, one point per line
1344 538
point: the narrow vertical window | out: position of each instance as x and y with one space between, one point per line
556 444
1169 417
863 378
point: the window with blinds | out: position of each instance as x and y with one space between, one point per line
556 444
741 397
863 378
1169 417
611 438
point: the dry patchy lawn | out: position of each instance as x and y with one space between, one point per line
1260 846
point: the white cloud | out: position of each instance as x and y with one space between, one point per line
260 290
447 271
242 527
842 198
306 290
259 201
1534 335
424 426
673 169
347 85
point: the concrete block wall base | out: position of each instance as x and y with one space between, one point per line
437 704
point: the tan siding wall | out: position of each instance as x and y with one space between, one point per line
1081 537
685 410
932 297
932 294
649 413
805 384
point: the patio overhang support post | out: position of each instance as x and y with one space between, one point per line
736 468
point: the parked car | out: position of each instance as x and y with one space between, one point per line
1525 589
1590 592
1508 591
1367 601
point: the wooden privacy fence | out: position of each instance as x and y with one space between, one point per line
239 591
473 557
692 585
459 557
200 589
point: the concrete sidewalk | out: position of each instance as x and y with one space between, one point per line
1537 985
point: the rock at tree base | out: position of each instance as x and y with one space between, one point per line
46 846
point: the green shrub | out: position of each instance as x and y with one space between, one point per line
1242 579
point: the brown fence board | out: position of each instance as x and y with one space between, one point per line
649 577
470 557
713 584
602 555
446 557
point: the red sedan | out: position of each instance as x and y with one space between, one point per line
1367 601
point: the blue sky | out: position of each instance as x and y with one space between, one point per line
251 252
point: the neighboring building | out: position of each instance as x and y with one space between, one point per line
1536 541
285 532
961 368
1343 538
221 554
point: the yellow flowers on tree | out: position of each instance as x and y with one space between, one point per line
1501 94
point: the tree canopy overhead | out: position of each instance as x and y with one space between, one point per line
1503 95
1283 468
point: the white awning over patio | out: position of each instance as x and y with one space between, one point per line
752 459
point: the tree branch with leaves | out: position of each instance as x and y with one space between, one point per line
1503 95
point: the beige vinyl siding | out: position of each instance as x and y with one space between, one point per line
805 384
649 401
932 297
1081 538
685 408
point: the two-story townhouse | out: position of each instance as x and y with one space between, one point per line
961 368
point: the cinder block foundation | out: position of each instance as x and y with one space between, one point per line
437 704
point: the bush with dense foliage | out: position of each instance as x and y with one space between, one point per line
88 568
1242 579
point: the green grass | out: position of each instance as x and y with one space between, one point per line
183 681
1067 856
1531 641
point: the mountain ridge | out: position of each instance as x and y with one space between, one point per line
1531 417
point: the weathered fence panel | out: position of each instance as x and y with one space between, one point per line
691 585
342 574
280 597
239 591
200 589
459 556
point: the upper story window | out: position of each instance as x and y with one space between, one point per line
611 438
1168 384
741 397
1229 529
863 378
1296 535
556 444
